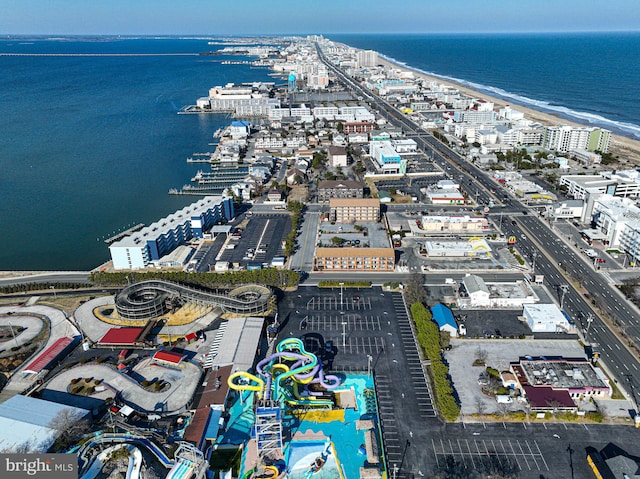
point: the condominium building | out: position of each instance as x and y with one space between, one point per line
367 58
156 240
566 138
348 210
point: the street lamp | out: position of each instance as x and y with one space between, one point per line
564 288
369 359
13 333
586 331
341 285
534 255
53 288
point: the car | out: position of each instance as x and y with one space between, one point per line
328 346
523 237
601 260
498 333
356 298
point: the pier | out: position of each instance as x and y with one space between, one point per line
126 232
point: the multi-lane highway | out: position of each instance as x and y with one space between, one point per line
556 260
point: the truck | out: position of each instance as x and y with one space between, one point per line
449 281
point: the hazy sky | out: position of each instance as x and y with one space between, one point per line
191 17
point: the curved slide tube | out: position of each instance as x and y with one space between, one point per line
133 470
254 383
183 469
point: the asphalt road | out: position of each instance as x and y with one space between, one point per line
551 251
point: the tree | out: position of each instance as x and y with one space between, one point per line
340 127
414 290
70 424
337 241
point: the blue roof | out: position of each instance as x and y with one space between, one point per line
240 123
443 316
211 433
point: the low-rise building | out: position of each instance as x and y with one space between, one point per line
545 318
339 189
474 247
338 156
453 224
445 320
349 210
475 293
355 259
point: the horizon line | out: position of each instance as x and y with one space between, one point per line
217 35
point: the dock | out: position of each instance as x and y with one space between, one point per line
124 233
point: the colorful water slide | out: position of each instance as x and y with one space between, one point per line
135 463
244 381
183 469
99 461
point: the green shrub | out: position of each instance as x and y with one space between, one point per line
493 373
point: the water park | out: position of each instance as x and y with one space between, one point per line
303 423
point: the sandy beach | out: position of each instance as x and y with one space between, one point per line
625 148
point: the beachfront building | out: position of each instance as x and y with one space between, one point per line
367 58
350 210
566 138
151 243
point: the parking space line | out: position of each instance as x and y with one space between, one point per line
523 454
533 457
513 451
473 463
541 455
433 444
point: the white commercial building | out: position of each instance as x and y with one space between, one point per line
475 293
545 318
475 247
613 216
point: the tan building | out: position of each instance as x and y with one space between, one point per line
454 224
355 259
348 210
337 156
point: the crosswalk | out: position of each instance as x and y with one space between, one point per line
215 345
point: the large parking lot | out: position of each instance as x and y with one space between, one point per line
254 244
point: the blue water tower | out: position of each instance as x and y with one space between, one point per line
292 82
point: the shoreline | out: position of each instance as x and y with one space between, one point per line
623 146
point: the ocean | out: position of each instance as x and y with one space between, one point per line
91 144
589 78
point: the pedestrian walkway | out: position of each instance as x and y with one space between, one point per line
215 346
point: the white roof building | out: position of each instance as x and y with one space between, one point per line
27 422
545 318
